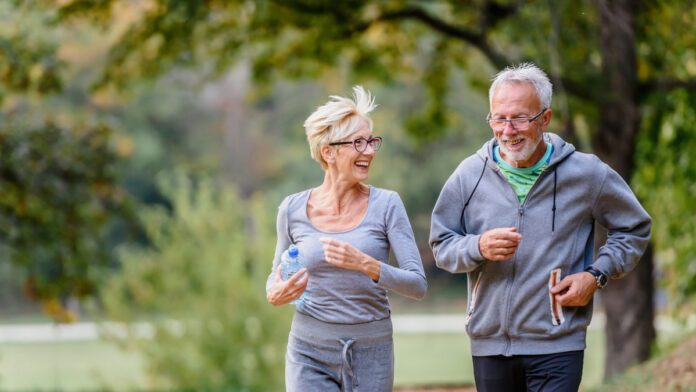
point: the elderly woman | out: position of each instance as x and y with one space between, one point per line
341 335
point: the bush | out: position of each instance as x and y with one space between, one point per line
58 197
201 286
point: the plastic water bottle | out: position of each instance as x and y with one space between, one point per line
291 262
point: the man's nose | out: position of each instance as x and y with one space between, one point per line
509 128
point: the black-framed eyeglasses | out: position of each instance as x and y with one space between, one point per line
520 124
360 144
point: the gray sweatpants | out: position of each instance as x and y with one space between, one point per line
326 357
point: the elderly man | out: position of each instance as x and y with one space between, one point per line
518 218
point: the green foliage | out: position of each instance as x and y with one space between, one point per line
57 196
666 168
666 181
28 55
164 124
201 285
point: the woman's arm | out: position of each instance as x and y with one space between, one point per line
279 292
409 278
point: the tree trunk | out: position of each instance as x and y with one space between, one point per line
628 303
629 329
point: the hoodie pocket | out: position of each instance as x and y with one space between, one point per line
474 295
557 317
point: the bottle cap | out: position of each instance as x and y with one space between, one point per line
293 251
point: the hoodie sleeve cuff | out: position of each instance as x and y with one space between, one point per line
474 249
604 265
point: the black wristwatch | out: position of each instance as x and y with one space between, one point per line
600 278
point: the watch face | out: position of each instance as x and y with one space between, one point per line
600 277
601 280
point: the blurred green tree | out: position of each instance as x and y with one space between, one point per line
200 286
667 178
57 196
607 59
58 184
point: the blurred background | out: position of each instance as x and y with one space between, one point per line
146 144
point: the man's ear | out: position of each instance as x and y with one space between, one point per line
328 153
546 119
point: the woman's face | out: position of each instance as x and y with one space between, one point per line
353 166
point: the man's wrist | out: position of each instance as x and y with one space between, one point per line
600 279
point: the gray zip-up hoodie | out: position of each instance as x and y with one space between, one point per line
510 311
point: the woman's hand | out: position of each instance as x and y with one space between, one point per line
345 255
285 291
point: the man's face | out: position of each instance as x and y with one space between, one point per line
520 148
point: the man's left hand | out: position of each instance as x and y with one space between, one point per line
576 289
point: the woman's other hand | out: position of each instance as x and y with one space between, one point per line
345 255
285 291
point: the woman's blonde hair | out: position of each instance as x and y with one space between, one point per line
337 119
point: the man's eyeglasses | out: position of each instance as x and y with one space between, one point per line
360 144
520 124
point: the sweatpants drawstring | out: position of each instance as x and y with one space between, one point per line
347 371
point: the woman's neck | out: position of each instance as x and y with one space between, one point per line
337 194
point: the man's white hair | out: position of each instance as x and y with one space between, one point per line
337 119
524 73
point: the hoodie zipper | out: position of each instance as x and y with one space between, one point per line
506 327
520 214
508 289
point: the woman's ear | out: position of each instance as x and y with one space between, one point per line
328 153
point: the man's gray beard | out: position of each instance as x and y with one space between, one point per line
524 154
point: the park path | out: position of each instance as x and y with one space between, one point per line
47 332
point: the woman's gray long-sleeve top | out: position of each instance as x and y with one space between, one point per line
338 295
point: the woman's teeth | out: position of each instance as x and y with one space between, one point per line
363 164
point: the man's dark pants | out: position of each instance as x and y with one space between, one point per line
550 372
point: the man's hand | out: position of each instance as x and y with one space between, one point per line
576 289
285 291
499 244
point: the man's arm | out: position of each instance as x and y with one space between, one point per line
628 225
457 251
454 250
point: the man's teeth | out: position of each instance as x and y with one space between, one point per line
515 141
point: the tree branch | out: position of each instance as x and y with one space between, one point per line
493 12
579 90
476 39
651 86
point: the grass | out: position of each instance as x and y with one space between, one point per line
420 359
69 366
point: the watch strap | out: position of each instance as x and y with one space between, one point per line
600 278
